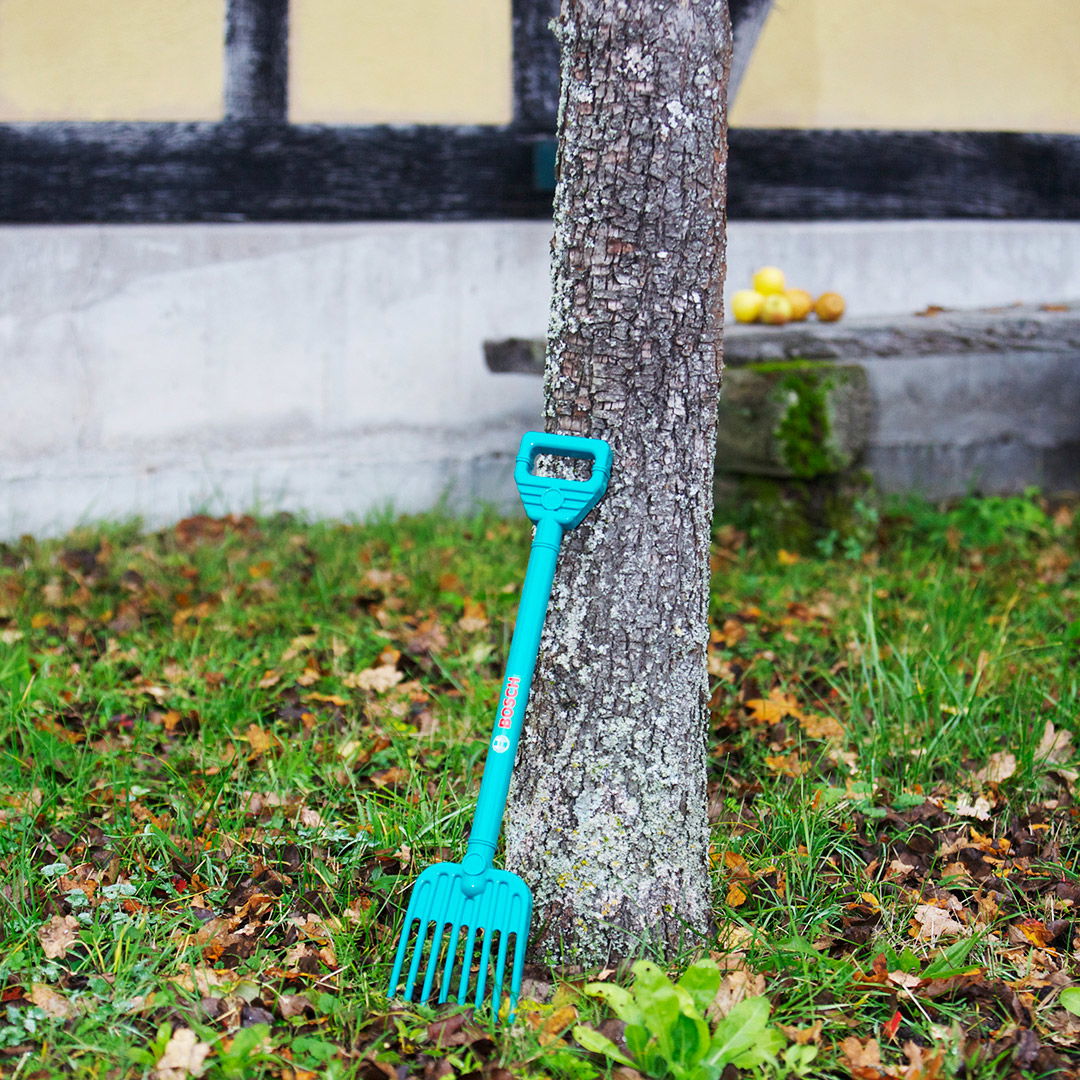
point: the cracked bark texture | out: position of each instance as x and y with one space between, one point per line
607 819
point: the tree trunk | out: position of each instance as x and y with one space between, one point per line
608 821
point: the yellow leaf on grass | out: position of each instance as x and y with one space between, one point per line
297 646
475 617
788 558
553 1026
737 864
310 675
736 895
821 727
786 764
774 708
329 699
259 739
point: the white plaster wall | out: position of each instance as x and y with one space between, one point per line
156 370
899 267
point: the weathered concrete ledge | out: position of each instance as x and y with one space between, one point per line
976 400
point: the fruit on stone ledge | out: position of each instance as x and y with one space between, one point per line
802 303
829 306
776 309
769 280
746 305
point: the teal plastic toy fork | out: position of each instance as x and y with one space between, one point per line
466 920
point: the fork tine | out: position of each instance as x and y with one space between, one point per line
485 960
500 970
518 971
399 958
448 967
433 959
466 965
423 925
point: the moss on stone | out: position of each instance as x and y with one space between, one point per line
792 418
804 432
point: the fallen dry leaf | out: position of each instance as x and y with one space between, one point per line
736 895
738 983
930 922
862 1059
260 740
774 708
51 1002
787 764
804 1036
1055 746
553 1027
184 1056
821 727
979 809
475 617
377 679
58 935
1000 767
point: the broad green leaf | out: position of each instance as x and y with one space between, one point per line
701 981
1070 999
637 1039
619 999
740 1031
799 1058
689 1039
660 1011
648 979
592 1040
766 1046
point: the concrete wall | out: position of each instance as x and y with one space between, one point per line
155 370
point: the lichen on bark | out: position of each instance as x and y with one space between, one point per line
608 821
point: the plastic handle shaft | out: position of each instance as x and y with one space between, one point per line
510 714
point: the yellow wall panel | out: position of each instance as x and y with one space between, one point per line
400 61
983 65
111 59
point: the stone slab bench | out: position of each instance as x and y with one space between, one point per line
942 404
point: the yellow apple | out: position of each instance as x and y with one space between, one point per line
769 279
746 305
776 309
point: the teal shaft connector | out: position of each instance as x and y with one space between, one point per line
467 923
555 505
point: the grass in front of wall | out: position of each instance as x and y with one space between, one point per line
227 748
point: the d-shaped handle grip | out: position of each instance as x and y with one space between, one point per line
567 502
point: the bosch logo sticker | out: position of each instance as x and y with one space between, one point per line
509 702
500 744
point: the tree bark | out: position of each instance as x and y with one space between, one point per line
607 820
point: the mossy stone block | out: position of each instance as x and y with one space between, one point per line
797 419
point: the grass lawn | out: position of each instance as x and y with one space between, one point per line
227 748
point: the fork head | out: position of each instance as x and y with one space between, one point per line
461 932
